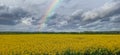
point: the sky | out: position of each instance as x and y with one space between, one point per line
64 16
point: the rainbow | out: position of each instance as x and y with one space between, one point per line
49 11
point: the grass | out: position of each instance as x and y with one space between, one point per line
59 44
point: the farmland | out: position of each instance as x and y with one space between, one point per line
60 44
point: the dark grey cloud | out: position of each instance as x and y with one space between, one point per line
11 16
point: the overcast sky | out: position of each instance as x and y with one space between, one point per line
70 15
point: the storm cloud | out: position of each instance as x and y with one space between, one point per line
11 16
104 18
71 15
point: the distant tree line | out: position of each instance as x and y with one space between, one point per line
85 32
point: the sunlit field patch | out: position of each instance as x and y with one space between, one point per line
59 44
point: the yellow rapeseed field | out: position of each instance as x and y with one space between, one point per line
59 44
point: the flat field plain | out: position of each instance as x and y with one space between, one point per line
59 44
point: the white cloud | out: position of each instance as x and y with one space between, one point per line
26 21
104 11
